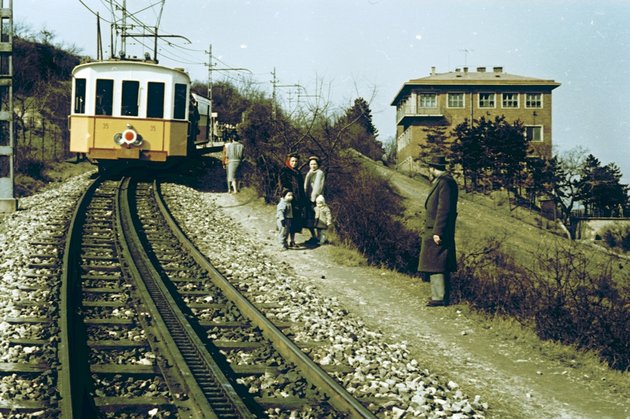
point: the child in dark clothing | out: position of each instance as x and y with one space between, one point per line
284 217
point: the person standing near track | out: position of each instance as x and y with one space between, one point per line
313 187
284 217
232 156
323 219
291 178
437 254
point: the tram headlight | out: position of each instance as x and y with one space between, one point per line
128 137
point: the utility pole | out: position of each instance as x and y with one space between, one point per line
8 203
210 118
123 34
99 43
274 81
210 70
275 85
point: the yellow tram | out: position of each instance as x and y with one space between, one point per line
131 110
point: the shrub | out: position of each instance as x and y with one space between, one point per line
565 296
617 235
26 185
32 167
367 213
489 279
580 303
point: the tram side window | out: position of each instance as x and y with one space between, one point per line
104 96
155 100
179 111
79 96
129 103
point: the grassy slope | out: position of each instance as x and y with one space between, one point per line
479 217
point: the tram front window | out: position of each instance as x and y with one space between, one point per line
79 96
155 100
129 103
104 97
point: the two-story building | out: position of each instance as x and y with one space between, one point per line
448 99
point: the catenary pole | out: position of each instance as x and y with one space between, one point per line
8 203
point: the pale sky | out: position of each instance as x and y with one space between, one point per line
342 49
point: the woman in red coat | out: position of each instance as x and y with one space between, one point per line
291 179
437 254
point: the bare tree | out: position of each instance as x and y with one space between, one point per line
567 176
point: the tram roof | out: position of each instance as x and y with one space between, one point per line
114 64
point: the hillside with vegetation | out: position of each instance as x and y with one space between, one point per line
513 261
515 264
41 99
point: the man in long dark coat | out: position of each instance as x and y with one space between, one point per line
437 254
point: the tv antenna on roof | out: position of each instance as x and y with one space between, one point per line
466 51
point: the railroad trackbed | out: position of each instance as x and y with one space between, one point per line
145 326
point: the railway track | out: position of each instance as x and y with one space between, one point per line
149 327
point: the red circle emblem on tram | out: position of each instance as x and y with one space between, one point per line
129 136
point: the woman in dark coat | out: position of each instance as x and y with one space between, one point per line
291 178
437 254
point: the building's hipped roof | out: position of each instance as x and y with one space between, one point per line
463 77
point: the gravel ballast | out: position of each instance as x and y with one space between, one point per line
373 368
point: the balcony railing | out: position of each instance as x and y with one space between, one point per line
404 140
420 113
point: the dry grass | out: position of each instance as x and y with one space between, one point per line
345 254
480 218
579 363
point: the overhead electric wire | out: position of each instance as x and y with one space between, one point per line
180 60
93 12
169 49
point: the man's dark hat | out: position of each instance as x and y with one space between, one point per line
438 161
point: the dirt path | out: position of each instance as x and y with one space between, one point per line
515 380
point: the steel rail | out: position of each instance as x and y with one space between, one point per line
185 347
73 374
340 398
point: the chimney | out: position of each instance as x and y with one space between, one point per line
497 69
481 69
433 71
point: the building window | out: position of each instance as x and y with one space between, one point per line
427 100
533 100
104 96
5 64
155 100
534 133
455 100
5 138
4 98
510 100
486 100
5 29
129 103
